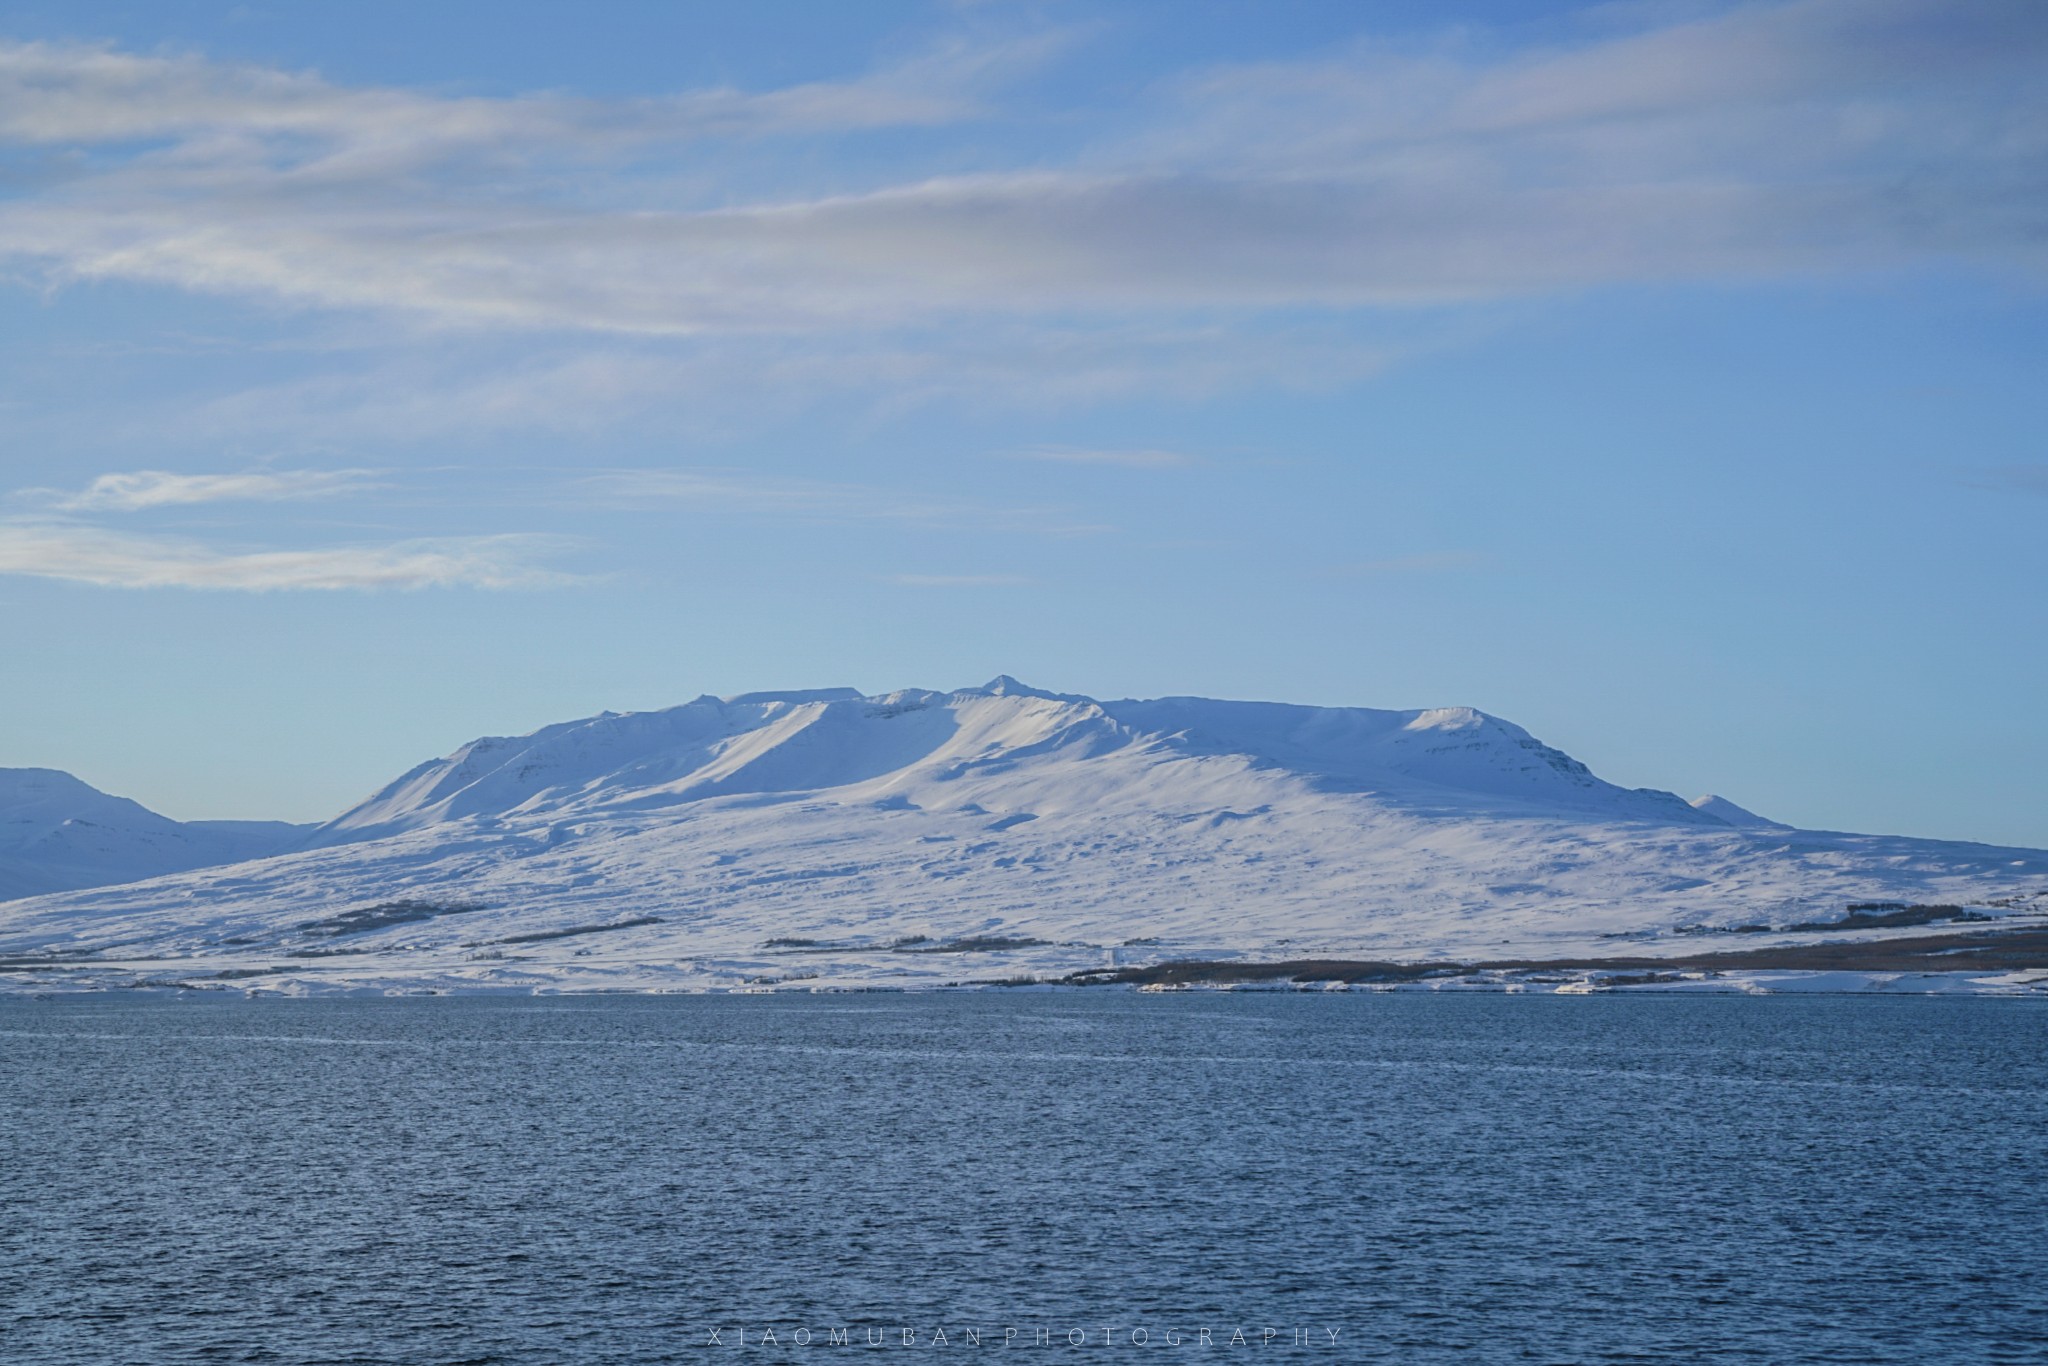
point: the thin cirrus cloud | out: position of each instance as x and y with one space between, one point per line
436 392
60 93
113 559
819 500
141 490
1762 139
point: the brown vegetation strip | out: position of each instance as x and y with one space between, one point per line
540 936
1996 951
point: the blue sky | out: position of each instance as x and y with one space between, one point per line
1665 377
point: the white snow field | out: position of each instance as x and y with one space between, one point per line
825 839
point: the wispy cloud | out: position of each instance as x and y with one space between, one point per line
453 392
819 500
1765 138
143 489
93 555
60 93
1139 459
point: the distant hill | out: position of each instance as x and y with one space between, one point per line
58 834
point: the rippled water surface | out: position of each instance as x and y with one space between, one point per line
1428 1177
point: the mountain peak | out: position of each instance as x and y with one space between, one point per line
34 798
21 782
1722 809
1002 685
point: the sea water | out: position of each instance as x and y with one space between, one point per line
1079 1175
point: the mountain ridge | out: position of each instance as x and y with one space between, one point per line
1458 749
918 837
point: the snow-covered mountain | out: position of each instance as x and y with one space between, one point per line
921 836
940 745
1723 809
58 833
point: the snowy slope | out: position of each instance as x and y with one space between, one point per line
921 837
58 833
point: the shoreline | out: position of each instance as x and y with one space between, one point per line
1971 953
1978 962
